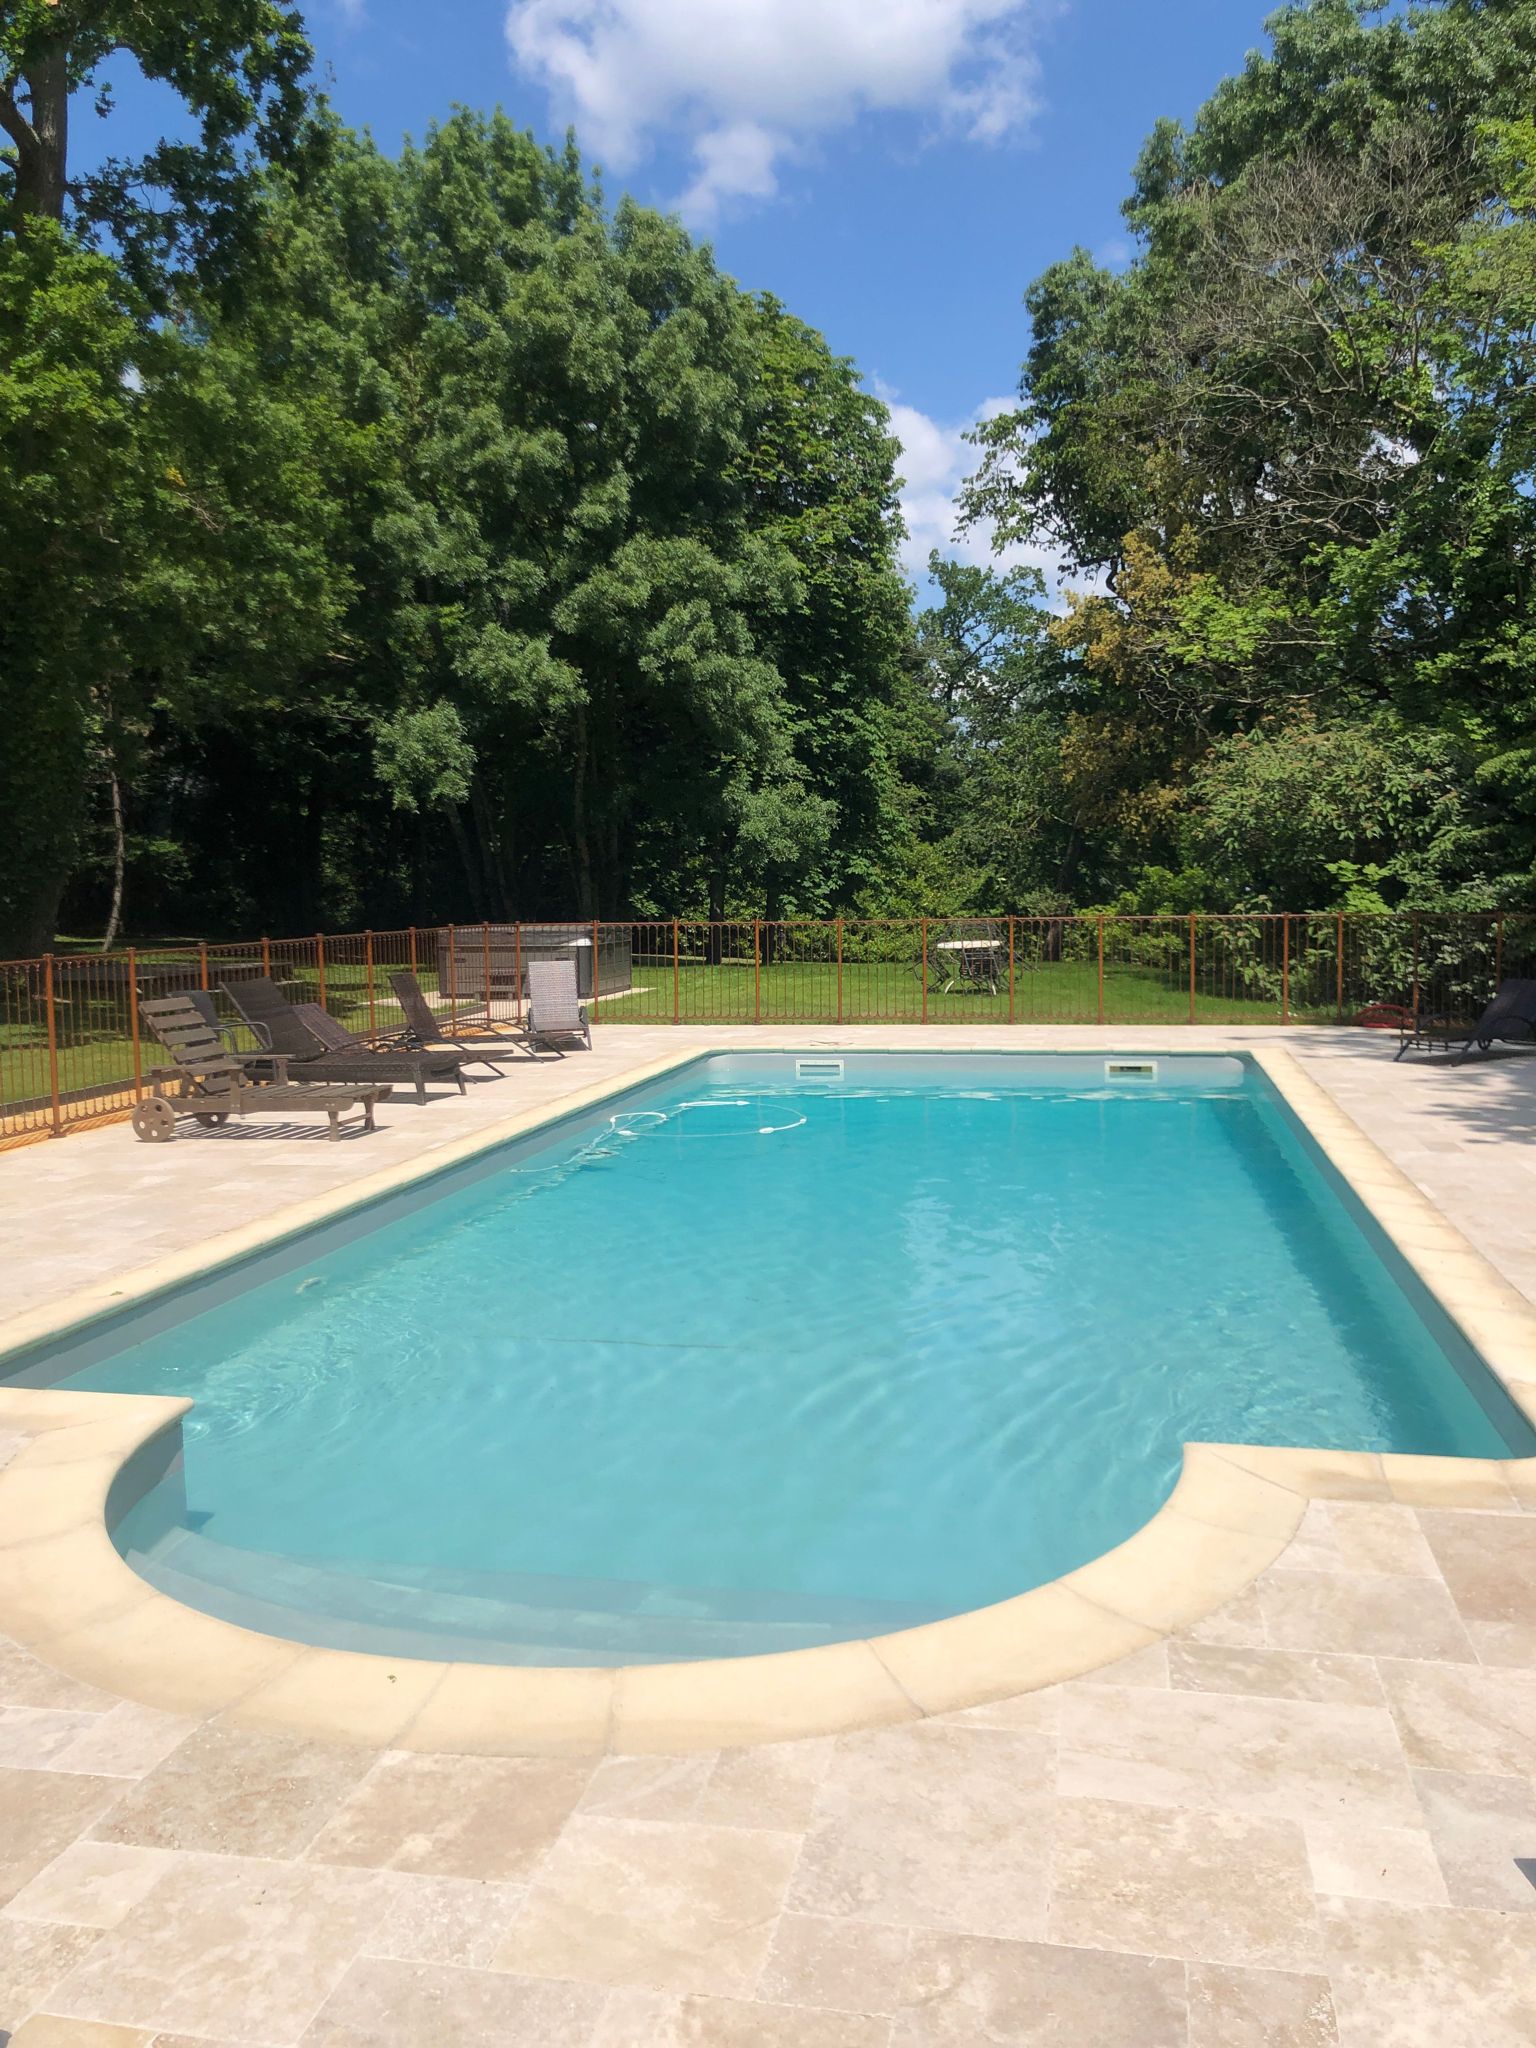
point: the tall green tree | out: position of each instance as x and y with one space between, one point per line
819 472
237 66
83 369
1292 437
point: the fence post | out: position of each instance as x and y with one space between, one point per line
517 971
757 970
320 965
1414 1001
1011 922
1101 967
1339 969
839 970
1285 968
595 936
453 980
133 1024
925 970
412 937
368 974
202 963
1191 967
1498 950
53 1042
266 958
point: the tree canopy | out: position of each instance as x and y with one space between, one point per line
394 538
1292 442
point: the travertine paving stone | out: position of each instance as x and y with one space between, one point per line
1414 1977
647 2020
1483 1828
1299 1823
456 1920
1376 1537
679 1908
1368 1615
960 1992
1489 1565
933 1825
1329 1679
841 1965
1288 1759
1259 2009
1395 1864
240 1948
378 2004
1463 1716
92 1884
41 1813
1225 1887
34 1955
452 1816
234 1791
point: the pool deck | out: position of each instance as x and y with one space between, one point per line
1306 1819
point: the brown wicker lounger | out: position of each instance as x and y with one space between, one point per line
210 1084
279 1027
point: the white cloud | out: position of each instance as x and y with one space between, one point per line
935 460
748 84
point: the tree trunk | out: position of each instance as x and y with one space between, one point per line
44 766
41 142
581 841
119 863
715 951
1066 873
472 874
498 897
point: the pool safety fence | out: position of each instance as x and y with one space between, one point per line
73 1050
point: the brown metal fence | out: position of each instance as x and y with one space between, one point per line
73 1048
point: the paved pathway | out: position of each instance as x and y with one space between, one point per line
1309 1820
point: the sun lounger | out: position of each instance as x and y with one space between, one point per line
210 1084
425 1028
553 1009
278 1026
1511 1016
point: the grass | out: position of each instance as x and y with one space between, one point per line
885 992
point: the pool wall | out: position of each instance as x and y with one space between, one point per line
66 1594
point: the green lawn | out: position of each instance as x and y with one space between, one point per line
891 992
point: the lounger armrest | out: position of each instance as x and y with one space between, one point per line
278 1061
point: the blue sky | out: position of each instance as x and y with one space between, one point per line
894 170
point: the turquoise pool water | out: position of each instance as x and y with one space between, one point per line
751 1360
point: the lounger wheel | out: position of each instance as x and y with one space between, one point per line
211 1119
154 1120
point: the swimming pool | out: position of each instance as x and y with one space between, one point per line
773 1352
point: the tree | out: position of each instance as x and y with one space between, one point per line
819 473
69 456
1294 436
82 370
237 65
993 702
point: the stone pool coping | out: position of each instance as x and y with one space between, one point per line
67 1595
